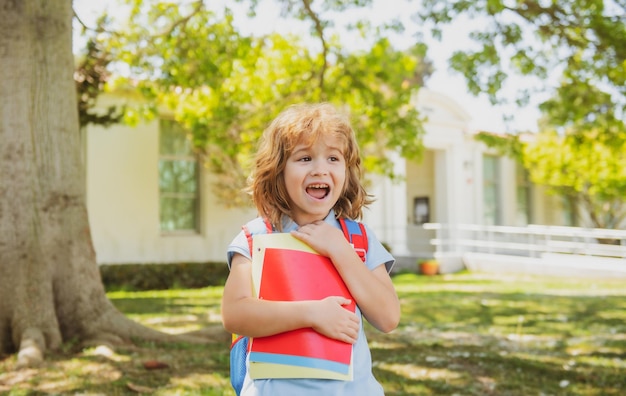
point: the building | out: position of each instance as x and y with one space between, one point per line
136 217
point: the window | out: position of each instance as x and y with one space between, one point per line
178 180
522 192
421 210
570 214
491 190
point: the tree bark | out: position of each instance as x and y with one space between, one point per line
50 286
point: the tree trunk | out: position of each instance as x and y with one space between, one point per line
50 286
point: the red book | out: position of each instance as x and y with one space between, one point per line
286 269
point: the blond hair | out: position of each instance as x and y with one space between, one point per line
304 124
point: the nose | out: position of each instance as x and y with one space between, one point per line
319 171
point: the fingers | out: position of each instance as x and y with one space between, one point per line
321 236
342 300
350 327
312 228
350 335
335 321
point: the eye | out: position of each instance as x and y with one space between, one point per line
335 158
305 158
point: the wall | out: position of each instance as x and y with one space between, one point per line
420 182
122 200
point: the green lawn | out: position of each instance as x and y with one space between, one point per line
462 334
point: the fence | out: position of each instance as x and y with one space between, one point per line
529 241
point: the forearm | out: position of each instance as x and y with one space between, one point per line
373 290
243 313
259 318
381 309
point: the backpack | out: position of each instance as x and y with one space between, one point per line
355 234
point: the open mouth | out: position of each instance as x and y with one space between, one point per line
318 191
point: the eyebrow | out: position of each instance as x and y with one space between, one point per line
300 148
306 149
338 150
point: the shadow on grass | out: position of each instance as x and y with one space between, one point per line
189 370
459 335
474 338
156 305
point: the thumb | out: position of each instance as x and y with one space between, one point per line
343 300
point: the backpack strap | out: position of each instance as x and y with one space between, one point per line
254 228
354 232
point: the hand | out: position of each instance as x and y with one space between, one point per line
322 237
331 319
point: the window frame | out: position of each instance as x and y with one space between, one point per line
494 185
523 187
192 157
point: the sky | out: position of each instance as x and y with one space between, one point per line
484 115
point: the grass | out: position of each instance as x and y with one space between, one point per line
461 334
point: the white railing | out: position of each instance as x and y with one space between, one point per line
529 241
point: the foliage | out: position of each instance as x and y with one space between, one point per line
91 76
585 167
470 334
504 145
588 169
581 44
225 87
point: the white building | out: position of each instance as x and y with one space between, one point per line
134 219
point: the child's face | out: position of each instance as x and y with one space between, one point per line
314 178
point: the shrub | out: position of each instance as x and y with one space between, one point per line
162 276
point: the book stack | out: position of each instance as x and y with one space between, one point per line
286 269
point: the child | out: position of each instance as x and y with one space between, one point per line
307 175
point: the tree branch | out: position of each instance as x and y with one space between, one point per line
183 21
319 28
